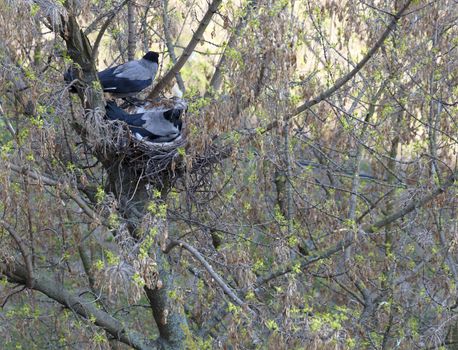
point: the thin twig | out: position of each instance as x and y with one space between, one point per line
210 270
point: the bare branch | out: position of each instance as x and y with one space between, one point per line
110 13
411 207
110 16
208 267
33 174
345 243
216 79
131 42
357 163
68 191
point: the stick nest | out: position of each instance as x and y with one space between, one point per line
154 161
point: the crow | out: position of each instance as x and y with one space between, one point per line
153 126
127 79
130 78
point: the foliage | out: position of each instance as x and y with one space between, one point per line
276 226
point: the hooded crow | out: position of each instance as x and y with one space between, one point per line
154 126
127 79
130 78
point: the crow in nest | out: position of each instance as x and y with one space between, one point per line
152 126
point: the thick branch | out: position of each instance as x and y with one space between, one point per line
170 322
55 291
187 51
81 52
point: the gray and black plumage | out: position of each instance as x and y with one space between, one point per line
127 79
153 126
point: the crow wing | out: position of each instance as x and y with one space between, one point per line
133 70
130 77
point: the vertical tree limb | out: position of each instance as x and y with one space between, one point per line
131 32
356 166
216 79
171 323
187 51
169 43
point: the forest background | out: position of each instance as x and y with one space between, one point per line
313 204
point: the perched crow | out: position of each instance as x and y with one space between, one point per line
153 126
127 79
130 78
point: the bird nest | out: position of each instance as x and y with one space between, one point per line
153 161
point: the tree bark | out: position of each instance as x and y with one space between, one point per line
131 37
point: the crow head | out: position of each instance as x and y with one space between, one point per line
152 56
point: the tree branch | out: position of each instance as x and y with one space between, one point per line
88 310
412 206
110 13
346 78
371 228
216 79
51 182
170 322
24 250
208 267
187 51
131 38
110 16
169 43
